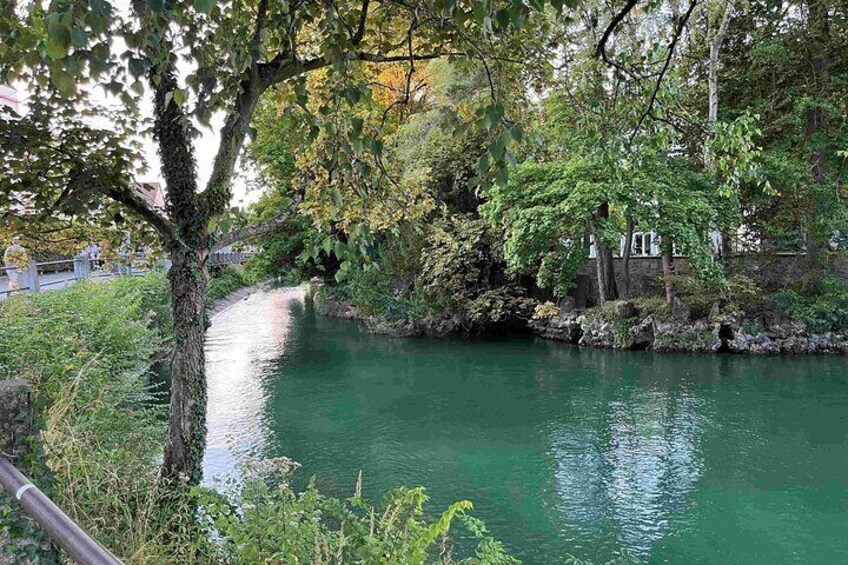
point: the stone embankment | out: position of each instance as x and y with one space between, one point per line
621 325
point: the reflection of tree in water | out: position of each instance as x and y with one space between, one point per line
628 458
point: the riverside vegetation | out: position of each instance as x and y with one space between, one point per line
420 242
88 350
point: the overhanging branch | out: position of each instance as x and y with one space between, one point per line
259 229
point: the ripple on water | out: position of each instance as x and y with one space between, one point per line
679 459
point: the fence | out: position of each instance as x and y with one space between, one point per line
47 275
63 272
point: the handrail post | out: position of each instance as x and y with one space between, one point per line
82 267
32 277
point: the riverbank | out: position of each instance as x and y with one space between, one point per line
629 325
100 429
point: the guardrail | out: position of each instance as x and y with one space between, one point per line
33 280
79 546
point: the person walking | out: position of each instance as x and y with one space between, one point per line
15 258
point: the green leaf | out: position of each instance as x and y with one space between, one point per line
494 114
64 81
58 42
180 97
79 37
204 6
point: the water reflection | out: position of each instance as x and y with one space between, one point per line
668 458
242 348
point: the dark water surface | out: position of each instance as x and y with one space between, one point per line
668 458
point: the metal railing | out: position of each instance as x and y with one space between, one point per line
32 277
229 258
79 546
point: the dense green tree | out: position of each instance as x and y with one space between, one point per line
195 59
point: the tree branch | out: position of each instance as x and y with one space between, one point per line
601 49
677 33
134 202
360 31
259 229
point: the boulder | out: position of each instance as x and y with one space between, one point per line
566 305
680 310
641 336
560 328
625 309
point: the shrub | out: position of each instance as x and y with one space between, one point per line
822 312
266 521
379 292
700 295
226 281
86 350
464 272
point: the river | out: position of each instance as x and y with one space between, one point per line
597 454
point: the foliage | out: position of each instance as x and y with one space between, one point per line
464 272
545 310
87 351
382 292
700 295
825 311
282 251
226 281
265 520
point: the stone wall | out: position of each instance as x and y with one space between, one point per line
770 272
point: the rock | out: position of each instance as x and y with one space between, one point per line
625 309
641 336
561 328
693 337
566 305
680 310
337 309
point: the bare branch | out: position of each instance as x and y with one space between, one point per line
671 46
360 31
601 49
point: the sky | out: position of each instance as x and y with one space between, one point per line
206 146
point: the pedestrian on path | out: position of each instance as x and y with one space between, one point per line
15 259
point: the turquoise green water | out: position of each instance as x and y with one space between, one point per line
667 458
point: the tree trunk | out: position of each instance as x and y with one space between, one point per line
715 48
625 259
186 439
818 31
668 269
607 289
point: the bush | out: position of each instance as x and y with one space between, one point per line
226 281
464 272
379 292
826 311
86 350
700 295
266 521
